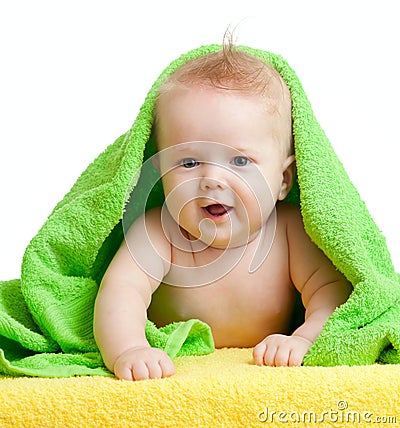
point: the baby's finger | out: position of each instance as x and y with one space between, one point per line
258 353
269 354
296 357
167 367
282 356
154 369
140 371
124 372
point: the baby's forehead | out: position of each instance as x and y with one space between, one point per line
275 101
211 148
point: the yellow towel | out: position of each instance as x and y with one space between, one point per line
223 389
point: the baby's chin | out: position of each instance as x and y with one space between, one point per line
225 243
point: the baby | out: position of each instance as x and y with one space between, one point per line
225 248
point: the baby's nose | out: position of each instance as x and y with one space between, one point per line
210 183
213 176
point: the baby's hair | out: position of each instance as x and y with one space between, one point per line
229 68
233 69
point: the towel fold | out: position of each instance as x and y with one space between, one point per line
46 318
26 351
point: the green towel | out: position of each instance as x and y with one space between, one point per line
46 318
27 351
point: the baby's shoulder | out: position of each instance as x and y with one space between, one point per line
148 227
149 221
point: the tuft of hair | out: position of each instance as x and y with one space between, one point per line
229 69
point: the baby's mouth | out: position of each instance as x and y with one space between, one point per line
217 210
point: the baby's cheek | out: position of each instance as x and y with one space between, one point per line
178 196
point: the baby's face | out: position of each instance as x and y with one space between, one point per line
222 163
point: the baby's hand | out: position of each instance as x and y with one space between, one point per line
281 350
141 363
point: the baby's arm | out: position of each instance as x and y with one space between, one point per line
122 302
322 287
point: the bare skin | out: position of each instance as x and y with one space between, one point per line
242 311
243 308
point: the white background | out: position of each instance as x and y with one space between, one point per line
74 73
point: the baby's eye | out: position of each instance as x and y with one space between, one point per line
189 163
240 161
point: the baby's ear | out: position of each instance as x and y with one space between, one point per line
288 174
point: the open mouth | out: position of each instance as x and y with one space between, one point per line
217 210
